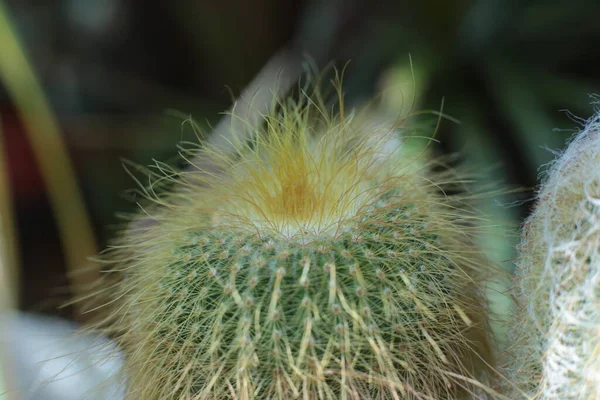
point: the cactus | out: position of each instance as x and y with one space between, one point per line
556 335
320 262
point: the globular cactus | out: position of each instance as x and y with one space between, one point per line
556 335
318 263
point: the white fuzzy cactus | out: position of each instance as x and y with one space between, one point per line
556 346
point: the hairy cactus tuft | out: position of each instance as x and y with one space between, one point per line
556 335
319 263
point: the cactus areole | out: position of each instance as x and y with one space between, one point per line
319 263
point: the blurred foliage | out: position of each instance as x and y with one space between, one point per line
121 76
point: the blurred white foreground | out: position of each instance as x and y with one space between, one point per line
45 360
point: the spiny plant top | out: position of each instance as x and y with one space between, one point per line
319 263
557 333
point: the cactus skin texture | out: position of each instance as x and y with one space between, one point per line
320 263
557 332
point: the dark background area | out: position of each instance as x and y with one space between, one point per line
122 75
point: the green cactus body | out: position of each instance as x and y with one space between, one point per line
321 264
556 336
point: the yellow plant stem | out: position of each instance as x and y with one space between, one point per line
6 299
76 233
8 236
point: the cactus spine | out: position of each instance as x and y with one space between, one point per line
557 333
321 264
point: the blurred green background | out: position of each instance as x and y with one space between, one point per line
120 76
